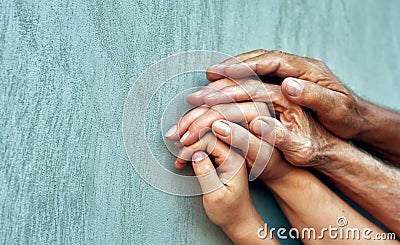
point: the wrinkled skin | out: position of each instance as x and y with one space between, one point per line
336 107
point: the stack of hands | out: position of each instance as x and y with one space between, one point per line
318 123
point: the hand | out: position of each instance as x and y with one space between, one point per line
302 140
313 85
228 206
198 121
258 153
298 135
319 207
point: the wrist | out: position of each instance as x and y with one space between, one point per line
367 119
287 181
340 153
244 229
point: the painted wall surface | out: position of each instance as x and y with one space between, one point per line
66 68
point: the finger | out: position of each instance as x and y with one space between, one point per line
216 72
197 98
272 62
229 162
205 172
206 143
256 151
254 90
177 144
180 128
271 131
274 133
234 112
311 95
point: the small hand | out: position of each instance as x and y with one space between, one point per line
197 122
228 206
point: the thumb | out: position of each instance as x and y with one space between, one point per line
297 150
205 172
309 94
274 133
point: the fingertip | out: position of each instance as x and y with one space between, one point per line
196 100
178 144
180 164
202 164
172 132
215 72
261 125
221 128
184 139
257 127
199 156
292 86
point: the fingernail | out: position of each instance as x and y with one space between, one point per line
222 128
293 88
198 156
171 131
198 93
184 137
260 127
212 95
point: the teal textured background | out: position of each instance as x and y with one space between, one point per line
66 68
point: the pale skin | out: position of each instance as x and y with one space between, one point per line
230 206
285 181
369 182
316 87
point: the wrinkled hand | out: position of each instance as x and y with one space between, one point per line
307 82
302 140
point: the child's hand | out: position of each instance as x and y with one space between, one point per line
257 152
226 199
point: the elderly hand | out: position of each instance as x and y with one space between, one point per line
297 134
310 83
313 85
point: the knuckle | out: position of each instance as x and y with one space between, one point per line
320 63
276 53
280 136
348 103
260 51
307 155
196 125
